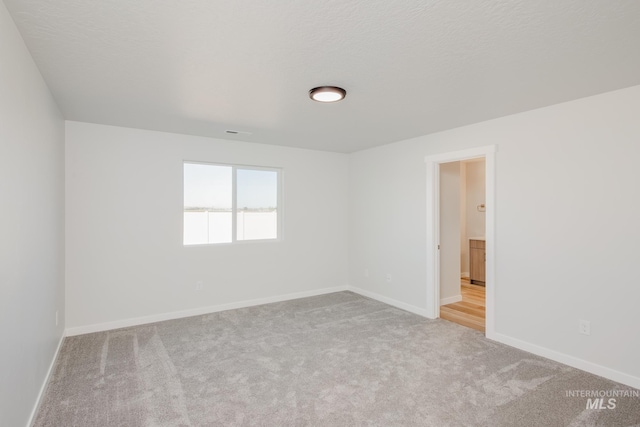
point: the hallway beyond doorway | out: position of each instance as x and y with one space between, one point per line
469 312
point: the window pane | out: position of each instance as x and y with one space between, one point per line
207 204
257 204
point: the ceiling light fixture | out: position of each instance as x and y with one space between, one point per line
327 94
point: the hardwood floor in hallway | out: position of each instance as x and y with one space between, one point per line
470 311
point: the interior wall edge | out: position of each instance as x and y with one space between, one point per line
450 300
136 321
390 301
574 362
45 383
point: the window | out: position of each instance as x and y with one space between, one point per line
226 204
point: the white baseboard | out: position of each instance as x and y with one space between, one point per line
43 387
574 362
451 300
398 304
107 326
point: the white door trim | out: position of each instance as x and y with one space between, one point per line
433 228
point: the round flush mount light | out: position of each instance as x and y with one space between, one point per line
327 94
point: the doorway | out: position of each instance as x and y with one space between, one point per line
462 242
434 225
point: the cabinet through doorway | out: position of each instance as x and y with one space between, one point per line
477 261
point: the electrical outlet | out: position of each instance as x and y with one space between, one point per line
388 277
199 285
366 272
585 327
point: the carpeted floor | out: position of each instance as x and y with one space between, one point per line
332 360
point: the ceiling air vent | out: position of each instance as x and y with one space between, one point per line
237 132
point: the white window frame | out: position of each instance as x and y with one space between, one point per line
234 207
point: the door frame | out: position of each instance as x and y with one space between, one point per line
433 228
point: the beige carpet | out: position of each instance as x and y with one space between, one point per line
332 360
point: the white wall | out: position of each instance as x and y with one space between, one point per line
567 236
464 250
125 257
31 226
474 194
450 232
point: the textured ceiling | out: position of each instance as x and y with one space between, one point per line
411 67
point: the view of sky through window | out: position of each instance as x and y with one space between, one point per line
212 216
257 189
207 186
